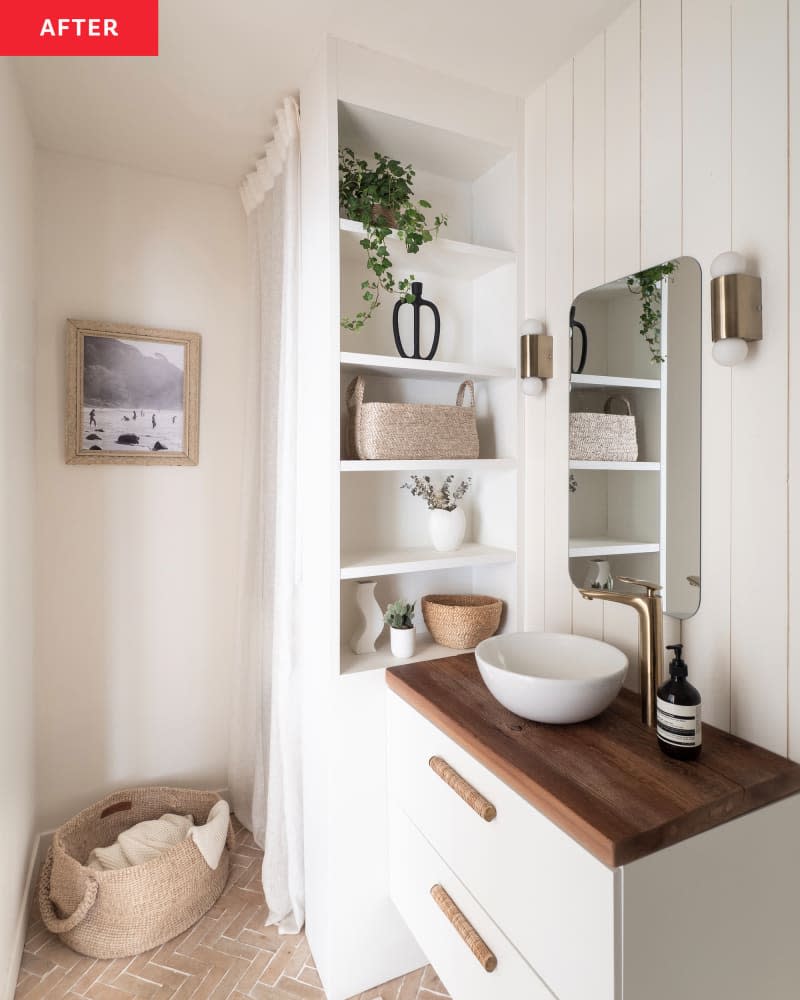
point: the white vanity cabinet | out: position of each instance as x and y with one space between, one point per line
715 916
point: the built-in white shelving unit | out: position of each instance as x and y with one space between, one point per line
474 465
446 257
379 364
391 562
357 522
426 649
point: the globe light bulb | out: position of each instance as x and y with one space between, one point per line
729 262
729 352
533 386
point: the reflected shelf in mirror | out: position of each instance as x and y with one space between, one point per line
614 382
642 345
616 466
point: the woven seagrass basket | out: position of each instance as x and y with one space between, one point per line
604 437
114 914
411 430
461 621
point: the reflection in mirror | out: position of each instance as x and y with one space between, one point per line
635 434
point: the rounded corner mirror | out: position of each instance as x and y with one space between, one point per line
635 433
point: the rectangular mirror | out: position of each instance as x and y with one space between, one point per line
635 434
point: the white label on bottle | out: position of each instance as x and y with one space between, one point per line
678 725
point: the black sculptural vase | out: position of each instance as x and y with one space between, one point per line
574 325
417 305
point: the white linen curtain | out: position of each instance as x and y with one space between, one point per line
265 775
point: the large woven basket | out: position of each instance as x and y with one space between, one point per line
461 621
113 914
604 437
411 430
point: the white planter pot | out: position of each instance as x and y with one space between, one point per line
599 575
447 529
370 618
402 642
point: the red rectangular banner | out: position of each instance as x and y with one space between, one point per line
79 28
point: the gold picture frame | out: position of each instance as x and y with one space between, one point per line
133 395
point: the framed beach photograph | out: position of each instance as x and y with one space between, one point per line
133 395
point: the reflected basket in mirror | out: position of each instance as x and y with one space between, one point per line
604 437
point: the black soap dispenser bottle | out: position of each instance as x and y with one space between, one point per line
678 725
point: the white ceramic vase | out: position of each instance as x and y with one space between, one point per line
599 575
447 529
402 642
371 618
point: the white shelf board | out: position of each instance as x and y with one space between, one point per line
614 382
358 566
448 258
586 547
384 364
425 649
421 464
616 466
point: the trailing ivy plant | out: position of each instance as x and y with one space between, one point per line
647 285
381 198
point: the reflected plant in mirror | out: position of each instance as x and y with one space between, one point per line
644 514
647 285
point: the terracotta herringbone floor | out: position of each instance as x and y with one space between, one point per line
228 955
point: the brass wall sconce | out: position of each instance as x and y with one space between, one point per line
536 357
735 308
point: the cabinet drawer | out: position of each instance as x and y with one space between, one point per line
414 870
547 894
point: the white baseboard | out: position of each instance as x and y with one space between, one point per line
36 856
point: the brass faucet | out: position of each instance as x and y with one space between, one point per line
651 636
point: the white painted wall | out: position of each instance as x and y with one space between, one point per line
136 567
668 135
17 782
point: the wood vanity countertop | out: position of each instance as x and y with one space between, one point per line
604 782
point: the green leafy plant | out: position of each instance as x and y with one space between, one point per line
400 614
444 498
647 285
381 198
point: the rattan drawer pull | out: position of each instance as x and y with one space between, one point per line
483 807
466 931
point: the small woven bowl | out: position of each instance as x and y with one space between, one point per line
461 621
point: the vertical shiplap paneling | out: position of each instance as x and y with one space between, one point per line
559 248
589 166
623 222
535 407
661 131
706 232
759 508
588 170
622 145
794 382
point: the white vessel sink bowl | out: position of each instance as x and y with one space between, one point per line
550 676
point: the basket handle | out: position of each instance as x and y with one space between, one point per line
354 398
355 393
53 923
468 384
622 399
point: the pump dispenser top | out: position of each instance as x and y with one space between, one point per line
677 667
